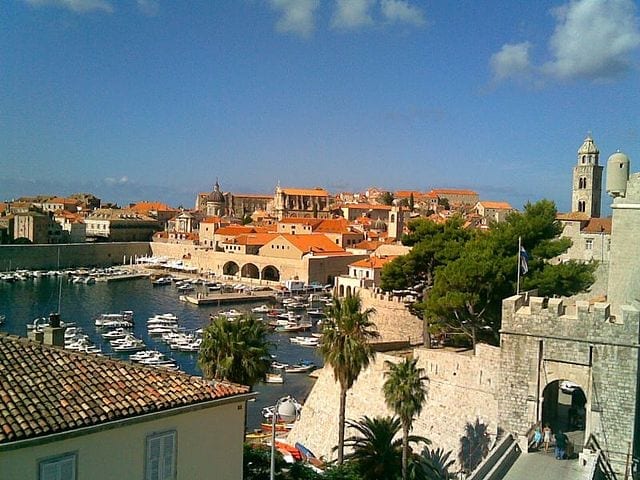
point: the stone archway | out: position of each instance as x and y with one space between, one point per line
564 407
271 273
230 268
249 270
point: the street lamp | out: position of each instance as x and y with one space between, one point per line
285 410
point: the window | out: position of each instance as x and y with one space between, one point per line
58 468
160 461
588 244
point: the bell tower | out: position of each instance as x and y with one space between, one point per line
587 180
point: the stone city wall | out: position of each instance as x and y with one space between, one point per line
461 388
392 317
45 257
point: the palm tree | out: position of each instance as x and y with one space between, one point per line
373 448
405 393
235 351
345 346
376 453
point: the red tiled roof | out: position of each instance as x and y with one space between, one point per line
301 221
46 390
144 207
372 262
366 206
452 191
496 205
254 239
315 243
333 225
235 230
573 216
598 225
368 245
310 192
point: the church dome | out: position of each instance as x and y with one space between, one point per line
588 147
216 196
380 225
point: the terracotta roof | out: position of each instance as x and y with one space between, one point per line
452 191
408 193
301 220
211 220
367 206
144 207
254 239
313 243
368 245
46 390
496 205
372 262
598 225
62 200
235 230
311 192
333 225
575 216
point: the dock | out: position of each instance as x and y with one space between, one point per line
224 298
117 278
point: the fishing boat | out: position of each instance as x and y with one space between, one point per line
274 378
303 366
261 309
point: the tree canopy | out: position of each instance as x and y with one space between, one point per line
236 351
468 273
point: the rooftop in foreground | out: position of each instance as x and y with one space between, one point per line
47 390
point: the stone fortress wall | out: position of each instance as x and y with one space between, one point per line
545 340
392 317
45 257
462 388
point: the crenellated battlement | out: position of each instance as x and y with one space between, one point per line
580 320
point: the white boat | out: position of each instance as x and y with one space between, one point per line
124 316
261 309
2 319
116 334
164 316
160 330
161 281
274 378
300 367
129 347
315 312
305 341
231 314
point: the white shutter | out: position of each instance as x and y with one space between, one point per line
153 457
62 468
161 456
168 457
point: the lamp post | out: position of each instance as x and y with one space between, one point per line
285 410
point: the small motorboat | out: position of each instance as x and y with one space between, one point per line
261 309
274 378
304 366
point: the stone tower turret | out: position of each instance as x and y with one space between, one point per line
587 180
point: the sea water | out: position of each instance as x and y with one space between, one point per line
23 301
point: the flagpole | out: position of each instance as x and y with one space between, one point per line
518 266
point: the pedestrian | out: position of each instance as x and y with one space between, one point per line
546 432
561 445
537 437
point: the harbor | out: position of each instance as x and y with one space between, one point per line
218 299
26 299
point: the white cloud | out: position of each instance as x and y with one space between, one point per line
297 16
77 6
401 11
593 39
511 61
116 181
148 7
352 14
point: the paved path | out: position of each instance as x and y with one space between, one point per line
540 465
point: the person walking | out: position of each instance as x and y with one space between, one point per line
537 437
561 445
546 432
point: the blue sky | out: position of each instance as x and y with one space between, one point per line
155 99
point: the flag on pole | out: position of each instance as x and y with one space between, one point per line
524 261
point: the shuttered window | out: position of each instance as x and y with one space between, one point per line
58 468
161 456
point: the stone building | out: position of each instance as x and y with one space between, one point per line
301 202
587 180
115 225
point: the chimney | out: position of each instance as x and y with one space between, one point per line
54 333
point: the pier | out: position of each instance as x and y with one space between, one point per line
224 298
